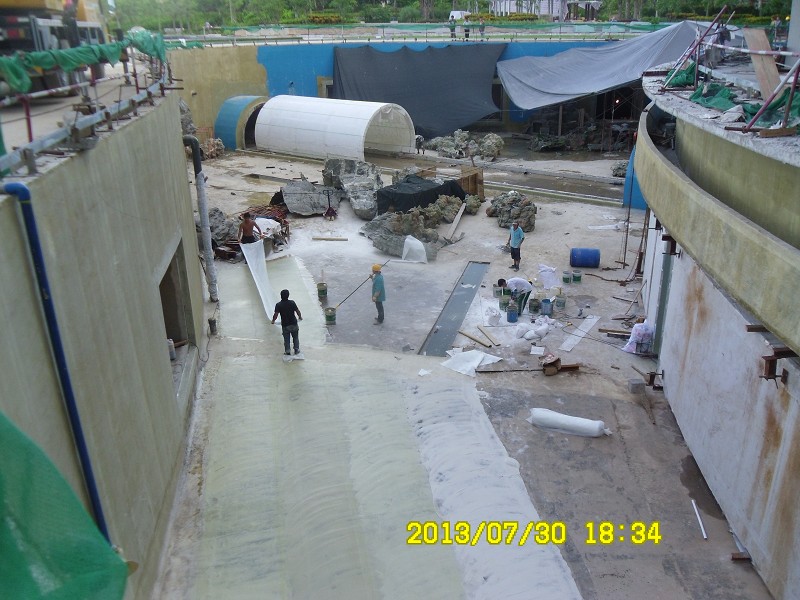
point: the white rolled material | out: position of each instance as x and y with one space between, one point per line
549 419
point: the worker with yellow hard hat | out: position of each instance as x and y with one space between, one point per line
378 291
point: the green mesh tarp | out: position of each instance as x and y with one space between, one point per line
15 70
715 95
49 546
684 77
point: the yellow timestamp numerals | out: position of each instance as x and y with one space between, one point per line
637 532
492 532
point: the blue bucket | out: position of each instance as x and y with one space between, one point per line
547 307
584 257
511 315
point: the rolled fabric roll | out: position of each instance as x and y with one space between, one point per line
549 419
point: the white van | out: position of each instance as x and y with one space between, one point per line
458 15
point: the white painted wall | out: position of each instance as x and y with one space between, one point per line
743 431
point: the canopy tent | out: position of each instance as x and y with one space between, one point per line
415 191
533 82
326 128
443 89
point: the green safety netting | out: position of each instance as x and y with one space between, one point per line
15 70
684 77
49 546
715 95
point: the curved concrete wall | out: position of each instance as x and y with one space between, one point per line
742 430
753 266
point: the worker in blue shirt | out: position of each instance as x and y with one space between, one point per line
378 291
515 238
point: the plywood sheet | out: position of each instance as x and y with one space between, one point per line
766 71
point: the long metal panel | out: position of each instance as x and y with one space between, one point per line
440 338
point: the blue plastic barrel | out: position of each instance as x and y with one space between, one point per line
547 307
584 257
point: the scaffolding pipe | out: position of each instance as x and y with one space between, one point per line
202 208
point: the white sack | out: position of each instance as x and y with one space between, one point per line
414 250
553 421
522 330
493 316
548 276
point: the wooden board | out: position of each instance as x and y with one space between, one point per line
766 70
488 335
452 230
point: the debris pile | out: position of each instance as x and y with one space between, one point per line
212 148
512 206
620 168
460 145
360 181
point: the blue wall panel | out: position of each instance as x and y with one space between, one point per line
294 69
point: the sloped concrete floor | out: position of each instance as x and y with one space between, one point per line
248 527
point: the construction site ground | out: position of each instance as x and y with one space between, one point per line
264 431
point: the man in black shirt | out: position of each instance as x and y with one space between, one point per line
286 309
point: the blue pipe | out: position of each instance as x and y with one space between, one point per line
23 194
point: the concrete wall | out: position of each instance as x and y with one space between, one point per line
756 268
212 75
754 185
111 220
742 430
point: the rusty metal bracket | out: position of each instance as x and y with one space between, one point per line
771 363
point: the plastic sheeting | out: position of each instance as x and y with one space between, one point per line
443 89
254 254
327 128
414 250
534 82
415 191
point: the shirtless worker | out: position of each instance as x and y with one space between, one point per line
246 227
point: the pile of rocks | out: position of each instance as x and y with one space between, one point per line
620 168
359 180
212 148
512 206
460 145
388 233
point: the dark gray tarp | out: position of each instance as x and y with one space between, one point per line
442 89
533 82
413 191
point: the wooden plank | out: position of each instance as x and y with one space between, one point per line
607 330
765 67
778 132
452 230
488 335
473 338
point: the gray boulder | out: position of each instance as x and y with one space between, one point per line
222 228
380 232
305 198
359 180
